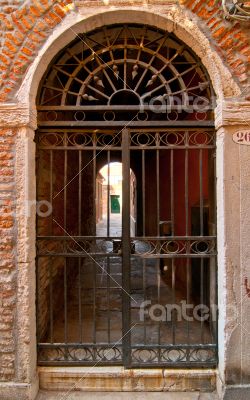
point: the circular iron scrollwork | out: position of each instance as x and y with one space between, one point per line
144 355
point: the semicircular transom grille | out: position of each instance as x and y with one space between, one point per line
125 65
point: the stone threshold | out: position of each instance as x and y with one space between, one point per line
119 379
45 395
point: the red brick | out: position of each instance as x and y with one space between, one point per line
197 6
60 11
11 47
27 51
219 32
36 10
17 38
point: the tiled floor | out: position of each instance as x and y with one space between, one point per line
115 226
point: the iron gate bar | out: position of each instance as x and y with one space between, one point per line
201 233
156 244
108 197
126 247
79 260
110 131
122 123
141 107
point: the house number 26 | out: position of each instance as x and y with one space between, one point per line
242 137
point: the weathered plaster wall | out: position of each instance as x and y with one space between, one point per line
233 249
8 254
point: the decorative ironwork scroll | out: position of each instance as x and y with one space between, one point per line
237 9
134 67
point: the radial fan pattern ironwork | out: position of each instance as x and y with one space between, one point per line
125 65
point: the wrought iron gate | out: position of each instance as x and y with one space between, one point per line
135 297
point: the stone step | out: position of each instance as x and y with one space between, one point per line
118 379
48 395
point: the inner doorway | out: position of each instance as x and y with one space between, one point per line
109 200
143 294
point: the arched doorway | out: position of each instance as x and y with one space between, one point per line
135 94
109 196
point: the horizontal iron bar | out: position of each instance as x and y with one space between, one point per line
80 363
86 148
79 345
173 255
140 108
172 147
138 346
183 364
172 238
131 130
174 346
175 364
128 123
135 238
79 254
142 256
134 148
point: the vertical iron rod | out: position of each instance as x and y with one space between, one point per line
92 263
144 277
126 316
173 315
188 296
108 195
143 194
173 232
108 297
51 301
94 300
158 193
186 193
158 272
79 233
187 229
65 259
172 190
201 234
51 191
51 259
94 191
144 233
201 192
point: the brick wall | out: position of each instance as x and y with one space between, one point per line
231 39
23 30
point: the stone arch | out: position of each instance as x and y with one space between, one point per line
186 30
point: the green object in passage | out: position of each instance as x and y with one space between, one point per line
115 204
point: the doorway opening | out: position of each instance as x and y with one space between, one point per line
109 200
126 260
